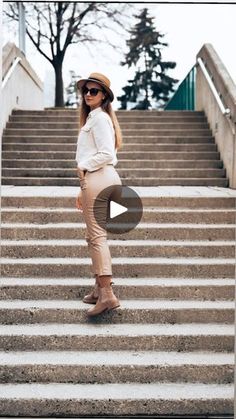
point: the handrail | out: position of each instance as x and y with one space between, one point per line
10 71
225 111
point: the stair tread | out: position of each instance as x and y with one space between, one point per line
209 179
155 192
166 391
139 226
176 282
119 260
120 160
115 358
125 329
156 143
145 209
55 152
117 242
132 304
33 136
135 169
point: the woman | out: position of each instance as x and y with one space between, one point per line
99 139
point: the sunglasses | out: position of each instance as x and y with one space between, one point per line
93 91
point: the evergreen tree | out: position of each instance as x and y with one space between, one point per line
150 84
71 91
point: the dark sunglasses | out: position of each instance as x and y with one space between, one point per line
93 91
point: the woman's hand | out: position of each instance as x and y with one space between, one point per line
82 178
80 173
79 202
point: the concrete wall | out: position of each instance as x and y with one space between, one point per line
23 90
223 127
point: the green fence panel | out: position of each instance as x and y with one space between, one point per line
184 97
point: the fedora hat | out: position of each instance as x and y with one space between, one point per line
100 79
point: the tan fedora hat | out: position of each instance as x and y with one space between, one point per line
98 78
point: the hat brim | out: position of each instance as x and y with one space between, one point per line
80 83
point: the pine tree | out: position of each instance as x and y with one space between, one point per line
150 85
71 91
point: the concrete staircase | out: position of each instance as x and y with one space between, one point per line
168 350
160 148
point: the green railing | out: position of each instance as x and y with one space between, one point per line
184 96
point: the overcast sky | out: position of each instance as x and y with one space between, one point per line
186 27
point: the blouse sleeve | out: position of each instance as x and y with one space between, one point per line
103 135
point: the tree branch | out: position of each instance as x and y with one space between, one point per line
37 46
69 30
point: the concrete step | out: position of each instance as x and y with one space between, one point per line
217 337
121 118
135 311
123 173
151 139
124 125
122 267
74 112
74 132
143 231
122 164
55 399
127 147
150 214
185 199
68 155
153 112
135 249
124 288
127 366
148 181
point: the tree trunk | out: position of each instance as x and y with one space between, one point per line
59 90
146 85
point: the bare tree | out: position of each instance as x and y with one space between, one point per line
52 27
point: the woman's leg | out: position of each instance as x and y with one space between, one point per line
97 234
93 296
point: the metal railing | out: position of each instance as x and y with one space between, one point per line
225 111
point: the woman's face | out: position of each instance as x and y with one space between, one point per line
93 101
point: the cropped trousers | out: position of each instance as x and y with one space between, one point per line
96 235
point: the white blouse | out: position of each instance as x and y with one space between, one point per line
96 142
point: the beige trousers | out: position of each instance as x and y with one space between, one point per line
96 236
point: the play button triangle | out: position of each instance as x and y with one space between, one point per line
116 209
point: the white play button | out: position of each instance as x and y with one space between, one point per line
116 209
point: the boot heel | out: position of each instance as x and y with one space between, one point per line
93 296
113 306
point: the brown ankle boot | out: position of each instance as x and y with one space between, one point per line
106 300
93 296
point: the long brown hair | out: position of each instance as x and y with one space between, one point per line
106 107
